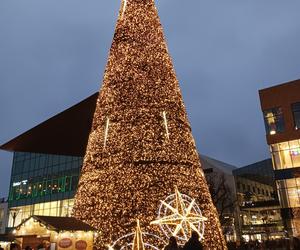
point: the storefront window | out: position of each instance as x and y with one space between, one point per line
296 113
289 192
38 176
296 227
286 154
54 208
274 121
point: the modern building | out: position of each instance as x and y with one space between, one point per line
3 214
47 162
258 204
221 183
281 109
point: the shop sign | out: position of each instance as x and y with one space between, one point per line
65 243
81 245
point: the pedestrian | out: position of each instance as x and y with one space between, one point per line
193 243
172 244
14 246
41 247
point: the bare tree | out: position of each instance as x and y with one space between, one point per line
222 196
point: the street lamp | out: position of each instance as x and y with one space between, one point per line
14 213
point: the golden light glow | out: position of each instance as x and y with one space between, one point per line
138 243
124 179
166 123
183 219
124 7
106 131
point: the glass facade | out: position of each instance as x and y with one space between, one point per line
286 157
296 114
3 216
274 121
42 184
289 192
258 204
286 154
53 208
40 178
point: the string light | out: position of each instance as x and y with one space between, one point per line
166 124
181 215
126 242
138 242
106 132
124 179
124 7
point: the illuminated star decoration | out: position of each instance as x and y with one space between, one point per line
138 240
183 218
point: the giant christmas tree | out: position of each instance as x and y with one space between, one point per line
140 147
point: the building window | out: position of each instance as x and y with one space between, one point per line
286 154
60 208
289 192
296 113
36 177
274 121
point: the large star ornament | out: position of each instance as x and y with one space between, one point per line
182 219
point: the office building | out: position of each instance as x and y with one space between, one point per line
281 110
46 164
257 202
3 214
220 181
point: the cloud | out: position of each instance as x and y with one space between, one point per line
53 54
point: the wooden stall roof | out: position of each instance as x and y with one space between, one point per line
61 223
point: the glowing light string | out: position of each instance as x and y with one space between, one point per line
166 123
137 242
124 8
106 132
139 84
183 218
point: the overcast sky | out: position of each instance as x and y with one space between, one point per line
53 54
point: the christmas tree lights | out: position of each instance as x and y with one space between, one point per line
140 146
138 243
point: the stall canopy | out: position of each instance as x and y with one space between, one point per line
61 223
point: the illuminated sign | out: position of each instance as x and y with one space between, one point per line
65 243
19 183
81 245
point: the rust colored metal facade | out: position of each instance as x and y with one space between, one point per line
281 109
283 95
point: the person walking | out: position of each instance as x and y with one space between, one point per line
193 243
172 244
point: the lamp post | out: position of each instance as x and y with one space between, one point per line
14 213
